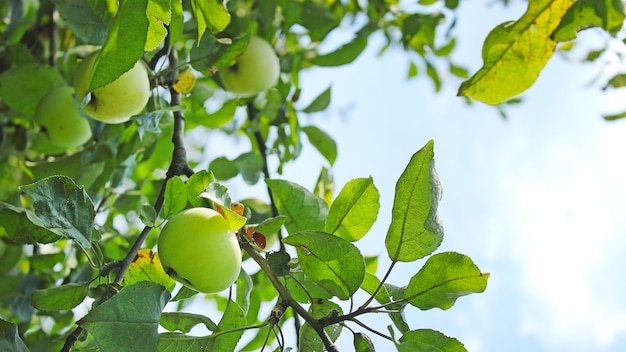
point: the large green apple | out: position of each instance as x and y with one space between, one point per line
61 123
117 101
198 248
256 70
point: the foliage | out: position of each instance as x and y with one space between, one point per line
78 226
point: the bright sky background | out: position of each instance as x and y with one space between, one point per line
537 200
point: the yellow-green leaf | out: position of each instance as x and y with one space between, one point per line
514 53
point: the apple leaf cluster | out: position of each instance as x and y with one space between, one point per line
105 112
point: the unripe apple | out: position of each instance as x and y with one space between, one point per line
256 70
61 123
117 101
198 248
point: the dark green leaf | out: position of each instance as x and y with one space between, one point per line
135 311
184 322
320 103
64 297
212 53
309 339
444 278
415 229
175 196
304 210
344 55
86 22
324 143
250 166
332 262
21 226
514 53
10 339
63 207
355 210
279 262
426 340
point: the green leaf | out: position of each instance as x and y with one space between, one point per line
250 166
415 229
514 53
583 14
279 262
426 340
159 14
197 114
23 227
343 55
86 21
362 343
210 13
123 47
10 339
355 210
134 312
324 143
213 52
147 267
412 70
148 215
63 207
23 15
196 184
305 290
615 116
303 209
617 81
223 169
270 225
332 262
64 297
244 287
444 278
320 103
184 322
175 196
233 318
309 339
21 88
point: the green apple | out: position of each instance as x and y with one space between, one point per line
117 101
61 123
198 248
256 70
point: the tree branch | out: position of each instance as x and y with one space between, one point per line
317 326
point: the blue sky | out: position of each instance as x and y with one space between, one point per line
536 200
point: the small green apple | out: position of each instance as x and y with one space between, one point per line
256 70
61 123
117 101
198 248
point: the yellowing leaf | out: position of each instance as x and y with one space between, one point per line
147 267
514 53
185 81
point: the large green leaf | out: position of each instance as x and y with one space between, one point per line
64 207
64 297
355 210
426 340
514 53
126 40
20 226
608 14
415 229
129 320
332 262
444 278
303 209
309 339
10 339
